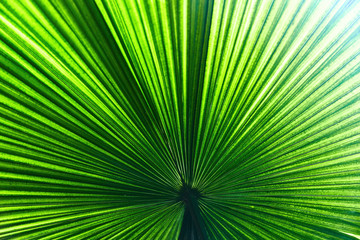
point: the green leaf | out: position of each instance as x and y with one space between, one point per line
189 119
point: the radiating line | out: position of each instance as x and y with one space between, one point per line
109 108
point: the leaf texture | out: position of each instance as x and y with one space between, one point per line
189 119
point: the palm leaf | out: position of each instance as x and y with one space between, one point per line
190 119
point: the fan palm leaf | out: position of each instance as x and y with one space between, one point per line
189 119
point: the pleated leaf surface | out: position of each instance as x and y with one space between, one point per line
186 119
